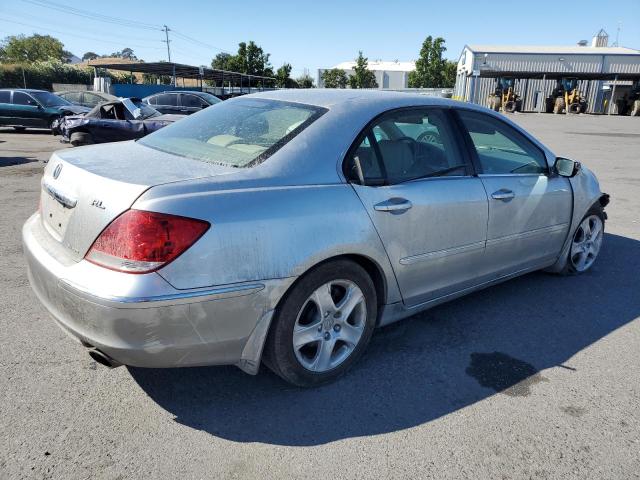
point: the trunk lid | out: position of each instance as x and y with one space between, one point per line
84 189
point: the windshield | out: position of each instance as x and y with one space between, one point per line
47 99
235 133
212 99
139 110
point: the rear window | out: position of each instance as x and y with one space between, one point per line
238 133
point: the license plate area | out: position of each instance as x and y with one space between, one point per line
55 215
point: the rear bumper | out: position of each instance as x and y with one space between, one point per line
141 320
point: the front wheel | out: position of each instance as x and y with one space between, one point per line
323 324
586 243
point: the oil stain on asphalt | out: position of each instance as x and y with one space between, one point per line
504 373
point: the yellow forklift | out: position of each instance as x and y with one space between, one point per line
629 104
566 97
504 96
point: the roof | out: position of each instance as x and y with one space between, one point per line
328 97
552 49
30 90
183 71
380 65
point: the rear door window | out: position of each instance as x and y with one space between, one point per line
167 100
21 98
5 96
406 145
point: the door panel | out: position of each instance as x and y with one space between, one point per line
529 228
529 209
25 110
437 245
428 209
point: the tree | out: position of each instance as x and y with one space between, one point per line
283 78
250 59
19 48
362 77
305 81
89 56
431 68
449 74
335 78
128 54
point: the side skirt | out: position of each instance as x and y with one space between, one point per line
397 311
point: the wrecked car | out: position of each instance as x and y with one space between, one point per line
123 119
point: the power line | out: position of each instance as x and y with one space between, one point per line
92 15
198 42
74 35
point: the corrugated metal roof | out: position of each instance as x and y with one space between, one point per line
552 49
380 65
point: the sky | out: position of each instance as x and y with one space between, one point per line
314 34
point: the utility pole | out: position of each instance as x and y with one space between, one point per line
167 41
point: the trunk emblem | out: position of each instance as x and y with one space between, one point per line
97 204
58 169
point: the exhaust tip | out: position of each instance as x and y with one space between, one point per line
103 358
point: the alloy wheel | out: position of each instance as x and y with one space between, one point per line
586 243
329 325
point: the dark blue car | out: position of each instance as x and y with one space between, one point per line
123 119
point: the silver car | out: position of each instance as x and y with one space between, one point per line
285 226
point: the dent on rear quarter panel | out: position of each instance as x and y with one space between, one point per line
271 233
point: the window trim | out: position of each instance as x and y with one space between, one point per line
473 153
452 124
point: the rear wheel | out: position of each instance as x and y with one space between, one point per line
323 324
586 243
574 108
81 138
510 106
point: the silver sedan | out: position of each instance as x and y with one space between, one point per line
284 227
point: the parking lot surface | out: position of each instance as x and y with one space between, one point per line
537 378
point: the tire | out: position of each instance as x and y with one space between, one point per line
322 353
19 129
635 111
81 138
548 104
574 108
558 105
574 266
510 106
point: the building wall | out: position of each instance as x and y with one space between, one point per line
386 79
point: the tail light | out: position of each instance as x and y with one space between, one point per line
141 242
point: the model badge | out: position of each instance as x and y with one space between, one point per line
58 169
97 204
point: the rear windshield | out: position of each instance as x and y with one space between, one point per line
237 133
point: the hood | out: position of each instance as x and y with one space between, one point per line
75 109
167 117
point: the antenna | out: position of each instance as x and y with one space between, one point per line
617 42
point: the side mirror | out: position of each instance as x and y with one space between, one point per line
566 167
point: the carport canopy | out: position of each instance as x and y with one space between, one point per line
188 71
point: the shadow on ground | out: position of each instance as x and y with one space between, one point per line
422 368
12 161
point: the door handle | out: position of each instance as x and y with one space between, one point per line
393 205
503 194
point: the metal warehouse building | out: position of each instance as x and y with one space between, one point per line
603 72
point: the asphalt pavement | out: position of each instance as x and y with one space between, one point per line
535 378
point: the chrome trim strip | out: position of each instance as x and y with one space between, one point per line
192 296
528 234
60 197
442 253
